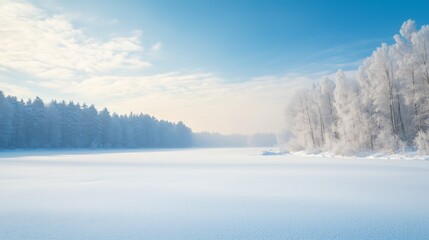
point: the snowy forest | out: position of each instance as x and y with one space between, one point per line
33 124
384 106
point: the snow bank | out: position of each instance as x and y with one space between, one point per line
274 152
411 155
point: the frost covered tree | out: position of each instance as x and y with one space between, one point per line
329 113
91 127
34 124
384 107
422 142
54 134
300 121
349 123
6 115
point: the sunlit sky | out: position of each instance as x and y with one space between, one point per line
220 66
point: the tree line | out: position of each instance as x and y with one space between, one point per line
34 124
207 139
383 107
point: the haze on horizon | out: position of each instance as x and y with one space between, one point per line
220 66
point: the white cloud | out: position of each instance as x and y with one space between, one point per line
156 47
49 46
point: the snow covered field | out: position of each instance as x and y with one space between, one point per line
210 194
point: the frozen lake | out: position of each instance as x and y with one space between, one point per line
225 194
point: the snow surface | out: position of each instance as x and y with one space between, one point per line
210 194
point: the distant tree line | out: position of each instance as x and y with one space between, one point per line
34 124
206 139
384 107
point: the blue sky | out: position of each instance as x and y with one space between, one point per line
225 66
241 39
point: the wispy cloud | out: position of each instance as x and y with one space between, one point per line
50 47
202 100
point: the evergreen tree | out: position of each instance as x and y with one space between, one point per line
6 127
